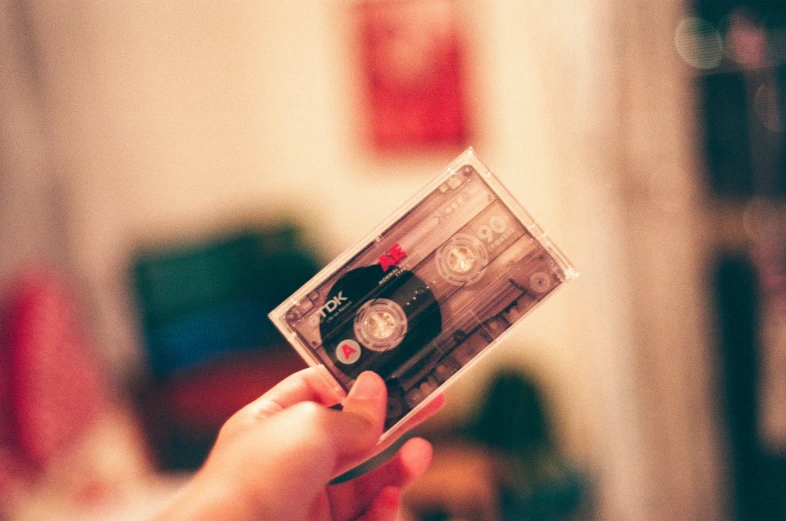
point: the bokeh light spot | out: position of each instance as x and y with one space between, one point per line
699 43
765 105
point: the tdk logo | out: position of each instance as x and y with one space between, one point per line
332 304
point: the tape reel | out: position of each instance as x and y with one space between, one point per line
387 314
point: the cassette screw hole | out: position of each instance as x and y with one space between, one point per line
540 282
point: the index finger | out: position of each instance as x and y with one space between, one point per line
307 385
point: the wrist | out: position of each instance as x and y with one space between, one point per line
205 499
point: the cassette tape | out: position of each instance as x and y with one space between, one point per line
427 292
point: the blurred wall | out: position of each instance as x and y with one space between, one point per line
168 120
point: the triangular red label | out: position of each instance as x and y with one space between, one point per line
348 351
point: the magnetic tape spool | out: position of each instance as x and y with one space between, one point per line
378 319
380 324
462 259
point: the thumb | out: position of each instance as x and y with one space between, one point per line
364 417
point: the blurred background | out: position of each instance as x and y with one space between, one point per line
171 170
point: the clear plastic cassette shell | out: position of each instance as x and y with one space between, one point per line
428 291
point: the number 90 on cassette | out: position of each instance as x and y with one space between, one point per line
428 291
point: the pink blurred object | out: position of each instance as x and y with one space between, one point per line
52 386
412 53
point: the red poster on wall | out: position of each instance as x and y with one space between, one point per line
412 54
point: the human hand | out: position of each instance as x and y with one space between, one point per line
274 458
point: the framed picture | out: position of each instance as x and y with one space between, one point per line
412 54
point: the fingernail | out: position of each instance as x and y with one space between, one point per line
367 385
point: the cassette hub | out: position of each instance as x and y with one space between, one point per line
380 324
461 259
